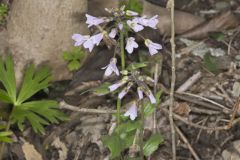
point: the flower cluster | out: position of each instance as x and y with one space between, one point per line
124 21
135 22
128 82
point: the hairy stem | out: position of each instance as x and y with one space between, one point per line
172 41
122 50
118 110
141 130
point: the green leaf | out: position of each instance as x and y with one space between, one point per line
150 108
7 77
133 5
33 82
38 113
114 144
117 143
73 65
3 10
4 136
128 127
102 90
152 144
135 65
210 63
4 97
218 36
67 56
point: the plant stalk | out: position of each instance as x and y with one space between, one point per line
142 130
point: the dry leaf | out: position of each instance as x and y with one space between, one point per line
222 22
182 109
62 149
30 152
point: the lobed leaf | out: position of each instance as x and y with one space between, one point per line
38 113
33 82
7 77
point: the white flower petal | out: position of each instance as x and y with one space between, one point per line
140 93
132 111
113 33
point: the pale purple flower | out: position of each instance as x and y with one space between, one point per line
89 44
93 21
131 13
152 22
97 38
94 40
134 25
131 44
113 33
125 90
152 47
118 84
132 111
147 22
151 97
111 67
79 39
140 93
120 26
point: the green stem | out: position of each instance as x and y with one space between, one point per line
141 130
122 50
118 110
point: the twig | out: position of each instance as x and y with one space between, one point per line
184 139
207 100
235 110
171 4
225 127
64 105
184 87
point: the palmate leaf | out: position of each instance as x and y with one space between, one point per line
5 136
38 113
33 82
7 77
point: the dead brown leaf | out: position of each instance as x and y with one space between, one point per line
30 152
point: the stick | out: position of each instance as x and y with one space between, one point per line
184 139
171 4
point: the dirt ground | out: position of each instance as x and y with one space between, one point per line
206 107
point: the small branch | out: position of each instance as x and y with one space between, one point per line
185 140
184 87
64 105
173 46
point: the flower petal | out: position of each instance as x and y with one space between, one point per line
152 98
113 33
132 111
93 21
131 44
140 93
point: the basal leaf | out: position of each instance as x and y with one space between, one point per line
7 76
114 144
152 144
73 65
38 113
33 82
4 97
150 108
5 136
210 63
